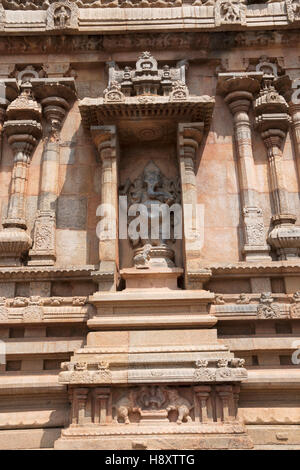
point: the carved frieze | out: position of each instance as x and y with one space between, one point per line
85 373
132 42
223 369
44 4
40 309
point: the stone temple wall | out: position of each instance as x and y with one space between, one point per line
108 343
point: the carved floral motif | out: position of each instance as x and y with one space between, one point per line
85 373
254 225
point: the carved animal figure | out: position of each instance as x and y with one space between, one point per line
180 404
124 406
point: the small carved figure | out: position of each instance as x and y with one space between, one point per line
180 404
231 12
244 299
61 17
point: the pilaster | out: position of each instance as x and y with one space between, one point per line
23 130
56 97
273 121
106 142
238 89
189 136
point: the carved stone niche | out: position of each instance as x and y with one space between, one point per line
62 15
147 111
151 188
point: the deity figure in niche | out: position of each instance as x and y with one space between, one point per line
153 199
62 17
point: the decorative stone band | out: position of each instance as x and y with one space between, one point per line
37 309
70 15
270 306
102 373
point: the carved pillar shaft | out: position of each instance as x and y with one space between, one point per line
236 395
226 396
189 138
43 252
105 139
16 206
202 395
80 404
239 104
273 139
238 89
101 405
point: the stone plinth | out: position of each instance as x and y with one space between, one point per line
169 381
152 298
171 388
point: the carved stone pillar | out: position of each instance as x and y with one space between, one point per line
189 138
71 396
226 397
272 120
238 90
106 141
80 396
236 394
102 405
202 395
56 97
23 135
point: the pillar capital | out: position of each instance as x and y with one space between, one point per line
189 138
56 96
238 82
105 140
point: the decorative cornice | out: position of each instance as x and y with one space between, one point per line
250 269
89 16
30 273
